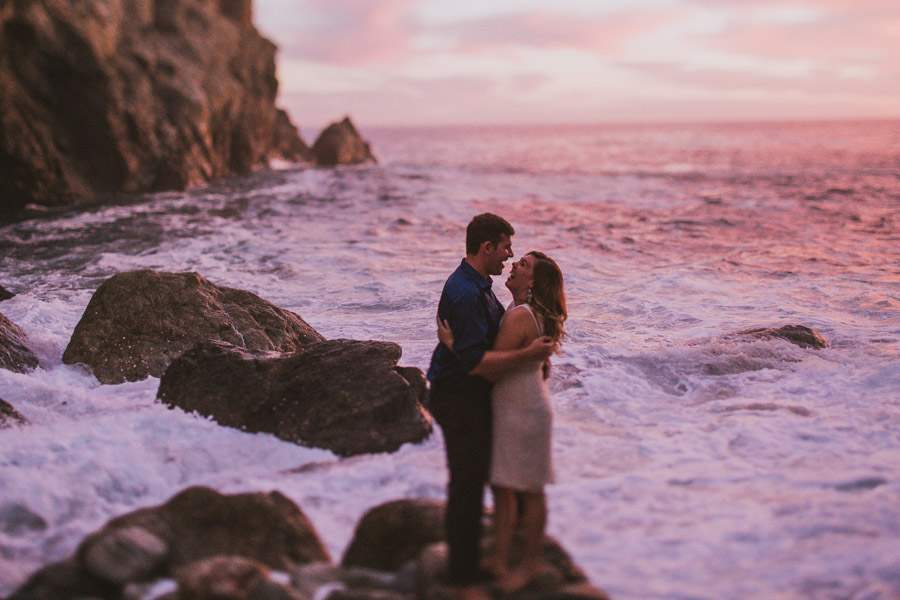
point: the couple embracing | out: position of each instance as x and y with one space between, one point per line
489 395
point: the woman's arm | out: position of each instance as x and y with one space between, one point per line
445 334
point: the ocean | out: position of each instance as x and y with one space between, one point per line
692 463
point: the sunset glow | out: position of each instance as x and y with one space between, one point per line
501 61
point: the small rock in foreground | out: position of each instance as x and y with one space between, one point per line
197 523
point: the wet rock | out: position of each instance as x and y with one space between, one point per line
17 519
130 96
230 578
200 523
341 144
403 532
223 548
346 396
390 535
137 322
65 580
14 353
796 334
195 524
5 294
9 416
124 555
578 591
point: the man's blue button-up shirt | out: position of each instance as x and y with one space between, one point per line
474 313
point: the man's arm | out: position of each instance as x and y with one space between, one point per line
508 353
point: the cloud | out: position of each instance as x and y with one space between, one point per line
342 32
816 80
404 61
603 33
834 36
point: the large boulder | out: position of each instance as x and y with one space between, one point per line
801 335
196 524
347 396
404 533
14 353
5 294
131 96
199 522
138 322
390 535
341 144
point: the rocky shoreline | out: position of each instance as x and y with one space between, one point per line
251 365
260 546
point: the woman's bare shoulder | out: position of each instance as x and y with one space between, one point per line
519 318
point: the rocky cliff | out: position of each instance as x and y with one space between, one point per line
106 96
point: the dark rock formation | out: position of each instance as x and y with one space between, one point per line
390 535
131 96
224 547
9 416
196 524
137 322
341 144
346 396
14 354
65 580
200 523
796 334
398 534
5 294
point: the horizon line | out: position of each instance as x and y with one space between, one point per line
623 122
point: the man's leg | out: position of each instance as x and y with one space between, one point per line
465 419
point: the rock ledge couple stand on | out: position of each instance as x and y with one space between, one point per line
489 395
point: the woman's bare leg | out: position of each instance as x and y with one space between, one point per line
505 516
534 521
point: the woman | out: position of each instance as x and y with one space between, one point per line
521 463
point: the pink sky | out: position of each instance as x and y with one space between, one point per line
399 62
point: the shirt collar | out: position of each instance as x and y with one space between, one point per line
484 283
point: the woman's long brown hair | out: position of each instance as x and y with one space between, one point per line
548 295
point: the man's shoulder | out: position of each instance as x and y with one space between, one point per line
459 284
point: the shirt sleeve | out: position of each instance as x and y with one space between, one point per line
469 323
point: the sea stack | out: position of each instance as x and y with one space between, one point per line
341 144
133 96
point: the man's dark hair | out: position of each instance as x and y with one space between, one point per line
486 227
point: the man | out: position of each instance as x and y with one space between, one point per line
460 398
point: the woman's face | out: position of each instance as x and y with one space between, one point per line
522 274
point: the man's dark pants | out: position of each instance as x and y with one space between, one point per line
464 414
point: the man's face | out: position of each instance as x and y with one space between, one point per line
496 255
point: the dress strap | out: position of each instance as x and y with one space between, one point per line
537 320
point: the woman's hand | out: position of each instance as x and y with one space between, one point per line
445 334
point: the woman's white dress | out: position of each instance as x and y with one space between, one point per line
523 420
